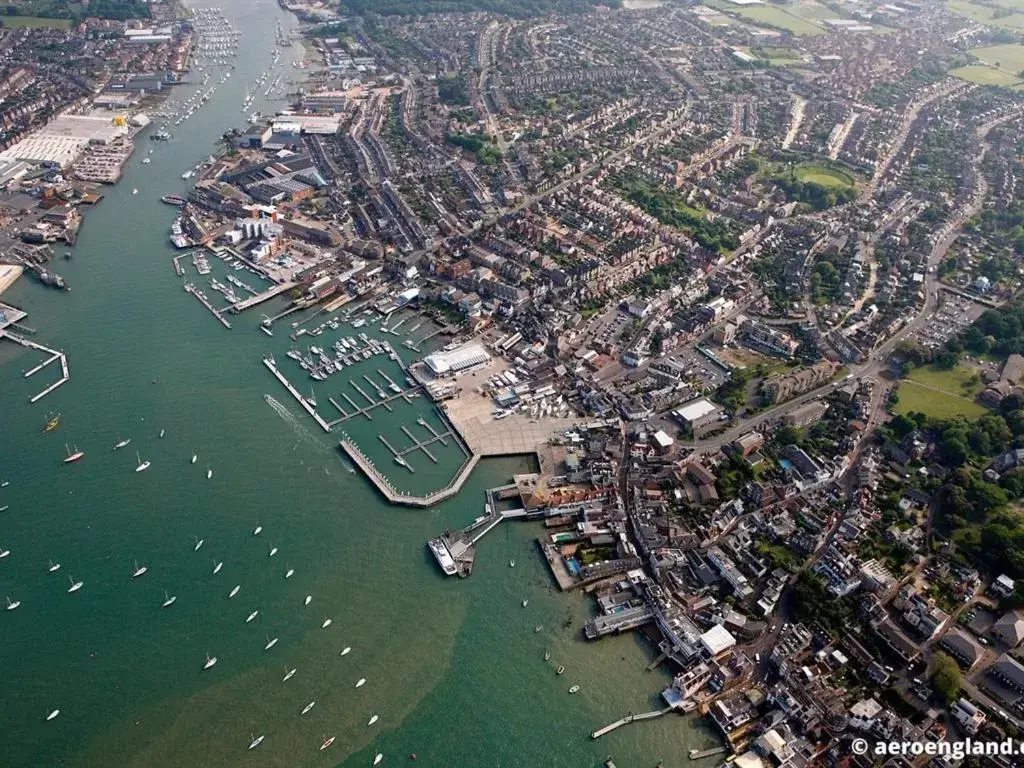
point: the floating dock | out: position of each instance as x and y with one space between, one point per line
54 355
189 288
272 367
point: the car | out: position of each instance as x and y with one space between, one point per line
757 658
984 641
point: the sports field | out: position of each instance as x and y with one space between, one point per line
985 75
825 177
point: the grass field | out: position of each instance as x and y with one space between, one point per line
938 405
34 21
1009 58
985 76
826 177
777 17
961 380
984 14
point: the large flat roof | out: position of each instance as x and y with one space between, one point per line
695 409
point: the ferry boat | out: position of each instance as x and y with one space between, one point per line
176 200
443 556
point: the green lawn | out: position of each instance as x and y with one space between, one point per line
770 16
985 76
961 380
826 177
937 405
1006 58
984 14
34 21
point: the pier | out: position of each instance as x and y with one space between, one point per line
416 444
54 355
189 288
259 298
388 491
340 410
629 719
272 367
396 454
426 425
698 754
176 260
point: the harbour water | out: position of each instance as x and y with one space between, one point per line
453 668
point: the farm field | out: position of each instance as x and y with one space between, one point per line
34 21
985 75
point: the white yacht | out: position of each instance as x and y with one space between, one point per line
139 570
273 551
252 616
346 650
378 758
210 661
257 530
168 600
52 715
309 599
194 457
270 643
288 675
289 573
257 740
326 624
4 553
199 543
234 591
11 605
361 682
75 585
209 474
308 707
54 567
143 465
373 720
217 565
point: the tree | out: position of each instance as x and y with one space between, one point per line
946 677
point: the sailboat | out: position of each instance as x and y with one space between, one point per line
139 570
252 616
12 605
525 603
143 465
210 661
168 600
326 624
511 563
52 715
288 675
346 650
312 398
209 473
547 655
257 530
54 567
161 433
273 551
194 457
309 599
234 591
52 424
256 741
270 643
289 573
327 743
75 585
361 682
217 565
73 456
199 543
378 758
373 720
4 553
121 443
308 707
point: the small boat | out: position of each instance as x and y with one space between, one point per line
574 689
257 740
5 507
373 720
289 573
361 682
234 591
209 474
270 643
511 563
327 743
75 585
121 443
4 553
217 565
560 670
168 600
308 707
525 603
143 465
73 456
135 191
346 650
326 624
52 715
210 661
5 483
547 655
309 599
54 567
194 457
11 605
288 675
273 551
252 616
257 530
161 433
538 628
378 758
139 570
52 424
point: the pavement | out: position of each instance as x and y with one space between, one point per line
9 274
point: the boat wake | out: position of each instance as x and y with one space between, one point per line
297 426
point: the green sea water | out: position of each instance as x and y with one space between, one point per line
453 667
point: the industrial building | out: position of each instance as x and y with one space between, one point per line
457 361
63 140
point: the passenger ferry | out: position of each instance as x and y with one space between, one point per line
443 556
